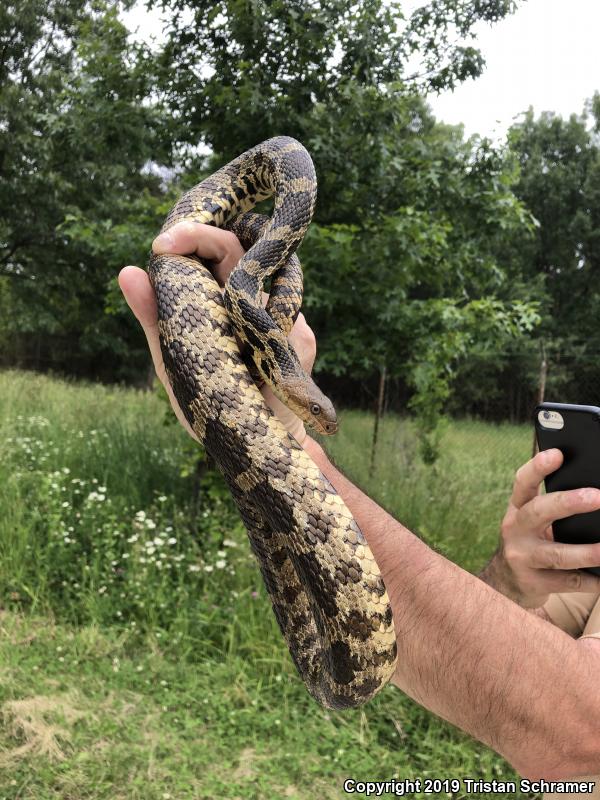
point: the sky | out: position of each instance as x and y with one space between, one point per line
546 55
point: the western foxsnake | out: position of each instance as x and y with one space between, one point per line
326 589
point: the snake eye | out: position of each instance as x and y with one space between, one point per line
315 409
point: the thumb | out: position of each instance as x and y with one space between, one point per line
139 294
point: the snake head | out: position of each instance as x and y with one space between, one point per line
306 400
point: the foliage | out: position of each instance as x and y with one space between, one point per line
408 212
416 227
557 265
415 289
334 75
559 180
241 71
75 136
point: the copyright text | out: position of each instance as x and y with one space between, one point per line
433 786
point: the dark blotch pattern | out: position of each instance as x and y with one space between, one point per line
227 448
242 281
322 585
342 662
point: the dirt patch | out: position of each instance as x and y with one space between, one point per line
246 764
42 723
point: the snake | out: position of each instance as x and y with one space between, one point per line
324 584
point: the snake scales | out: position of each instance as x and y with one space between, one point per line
327 593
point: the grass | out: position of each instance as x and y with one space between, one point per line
139 657
456 505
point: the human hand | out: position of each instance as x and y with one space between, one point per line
222 251
529 565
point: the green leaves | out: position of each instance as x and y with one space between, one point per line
445 332
76 138
559 181
414 288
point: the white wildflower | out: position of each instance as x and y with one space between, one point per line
96 497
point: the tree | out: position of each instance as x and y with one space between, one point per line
240 71
414 291
559 181
75 136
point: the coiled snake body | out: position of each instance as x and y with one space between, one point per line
325 587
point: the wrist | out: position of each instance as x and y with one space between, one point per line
498 576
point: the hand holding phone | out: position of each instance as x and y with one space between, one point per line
575 431
529 565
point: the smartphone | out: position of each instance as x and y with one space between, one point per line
575 430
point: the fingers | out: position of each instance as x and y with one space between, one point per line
224 250
544 509
304 343
557 581
531 474
554 555
139 294
216 245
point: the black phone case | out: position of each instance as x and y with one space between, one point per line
579 441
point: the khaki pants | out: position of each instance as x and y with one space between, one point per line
579 616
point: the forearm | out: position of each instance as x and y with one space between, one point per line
475 658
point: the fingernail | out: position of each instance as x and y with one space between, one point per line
163 242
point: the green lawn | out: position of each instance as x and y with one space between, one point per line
139 657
